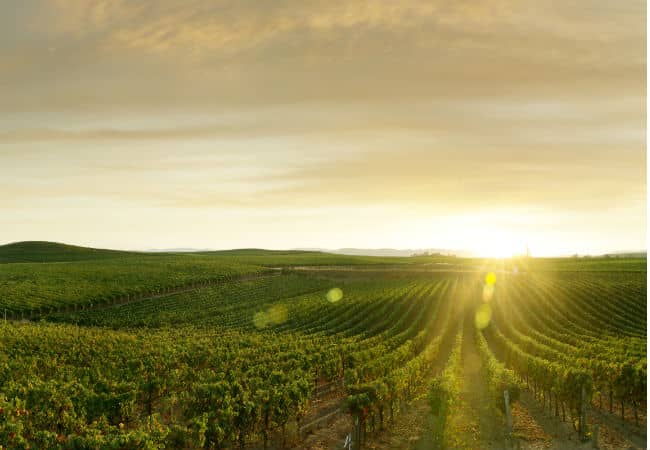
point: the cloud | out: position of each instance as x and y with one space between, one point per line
422 178
459 121
76 55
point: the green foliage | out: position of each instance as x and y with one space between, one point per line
444 389
191 370
47 287
499 379
213 380
567 332
439 397
228 302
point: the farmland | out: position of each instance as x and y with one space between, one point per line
255 349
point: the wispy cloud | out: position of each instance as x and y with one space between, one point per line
73 54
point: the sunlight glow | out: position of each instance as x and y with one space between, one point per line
334 295
498 245
483 316
275 315
498 233
488 292
488 288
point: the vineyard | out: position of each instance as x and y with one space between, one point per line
204 351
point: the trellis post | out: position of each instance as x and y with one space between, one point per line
506 398
583 413
594 436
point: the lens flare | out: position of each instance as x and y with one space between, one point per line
261 320
334 295
488 292
277 314
483 316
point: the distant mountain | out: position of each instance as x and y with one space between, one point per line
627 254
386 251
258 252
177 250
42 251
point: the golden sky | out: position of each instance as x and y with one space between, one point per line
480 125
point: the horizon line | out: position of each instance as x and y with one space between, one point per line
449 252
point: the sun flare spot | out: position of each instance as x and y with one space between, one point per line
334 295
261 320
278 314
275 315
488 292
483 316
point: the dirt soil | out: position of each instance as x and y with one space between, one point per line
328 438
410 430
536 429
474 424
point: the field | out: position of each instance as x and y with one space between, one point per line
259 349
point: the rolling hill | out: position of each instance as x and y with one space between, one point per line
42 251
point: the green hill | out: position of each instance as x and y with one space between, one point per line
41 251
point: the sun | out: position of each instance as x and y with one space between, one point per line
495 235
496 244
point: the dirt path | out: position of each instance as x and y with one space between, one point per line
412 430
474 423
327 438
613 428
537 429
534 428
330 425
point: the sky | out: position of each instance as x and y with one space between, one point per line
482 125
